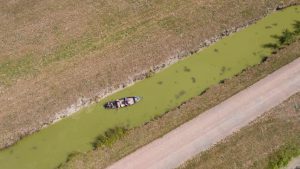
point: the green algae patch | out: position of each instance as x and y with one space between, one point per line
161 92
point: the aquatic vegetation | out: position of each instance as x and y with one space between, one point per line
109 137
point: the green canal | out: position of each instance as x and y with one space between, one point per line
167 89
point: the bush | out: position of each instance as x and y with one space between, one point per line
264 58
221 81
287 37
71 155
150 73
109 137
297 27
283 156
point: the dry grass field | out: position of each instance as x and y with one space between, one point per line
56 52
103 156
259 145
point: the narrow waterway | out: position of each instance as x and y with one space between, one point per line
167 89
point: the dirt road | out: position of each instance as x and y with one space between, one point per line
215 124
294 164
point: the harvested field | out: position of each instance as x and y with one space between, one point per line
259 145
140 136
53 53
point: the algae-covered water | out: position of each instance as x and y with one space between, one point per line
165 90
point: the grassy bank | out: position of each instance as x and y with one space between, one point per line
283 156
154 129
269 143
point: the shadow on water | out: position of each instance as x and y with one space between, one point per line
224 70
193 79
297 26
186 69
264 58
268 27
160 82
271 46
285 38
181 93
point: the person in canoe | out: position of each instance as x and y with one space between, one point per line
123 102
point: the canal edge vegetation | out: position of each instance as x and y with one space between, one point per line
109 137
284 40
103 140
283 156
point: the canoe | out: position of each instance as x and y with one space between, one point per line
123 102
